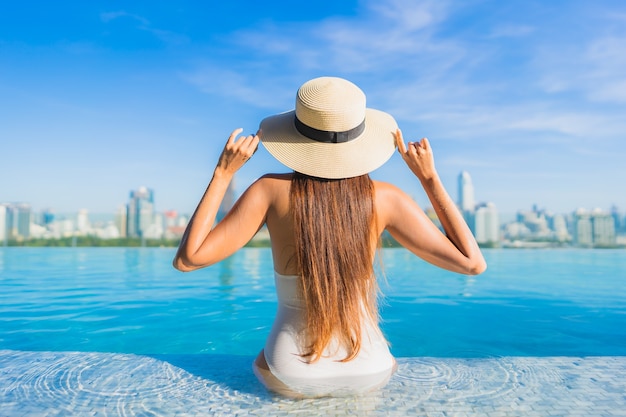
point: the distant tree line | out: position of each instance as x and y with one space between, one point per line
94 241
386 241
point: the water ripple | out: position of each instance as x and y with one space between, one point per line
116 384
459 379
59 383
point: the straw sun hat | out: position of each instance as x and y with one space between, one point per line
330 134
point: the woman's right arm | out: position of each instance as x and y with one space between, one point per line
202 243
457 250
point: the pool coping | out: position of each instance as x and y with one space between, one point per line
93 383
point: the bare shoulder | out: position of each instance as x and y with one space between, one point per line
387 192
269 182
272 190
392 203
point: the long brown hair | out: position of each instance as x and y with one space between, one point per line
333 225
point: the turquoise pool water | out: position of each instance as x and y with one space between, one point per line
118 332
528 303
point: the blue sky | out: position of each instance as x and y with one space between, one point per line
101 97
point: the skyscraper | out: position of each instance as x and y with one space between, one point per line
595 228
82 222
559 226
139 212
466 199
619 223
22 220
47 217
487 224
465 192
582 228
16 220
603 226
121 220
4 221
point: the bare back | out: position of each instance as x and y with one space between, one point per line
278 219
395 211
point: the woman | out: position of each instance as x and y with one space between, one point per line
324 221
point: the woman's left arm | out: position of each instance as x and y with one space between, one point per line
203 245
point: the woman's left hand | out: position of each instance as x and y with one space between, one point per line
237 152
418 156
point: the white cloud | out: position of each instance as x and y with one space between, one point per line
234 85
595 68
409 15
606 76
573 124
412 63
381 39
165 36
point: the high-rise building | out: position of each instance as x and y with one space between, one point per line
22 220
4 223
15 220
155 230
466 200
465 192
139 212
595 228
536 221
121 220
603 226
559 226
486 224
174 225
618 220
47 217
82 222
582 228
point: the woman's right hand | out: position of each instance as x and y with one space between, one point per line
418 156
237 152
205 243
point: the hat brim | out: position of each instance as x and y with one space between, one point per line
359 156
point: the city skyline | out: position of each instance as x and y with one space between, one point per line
463 193
112 208
138 221
234 194
100 97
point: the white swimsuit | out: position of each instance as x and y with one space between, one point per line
370 369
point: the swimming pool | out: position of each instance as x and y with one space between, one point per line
115 310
